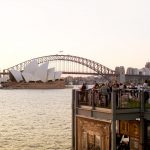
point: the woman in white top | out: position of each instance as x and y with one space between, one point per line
145 84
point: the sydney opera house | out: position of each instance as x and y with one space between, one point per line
34 76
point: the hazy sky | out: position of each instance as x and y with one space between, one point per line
111 32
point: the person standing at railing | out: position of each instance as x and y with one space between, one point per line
104 91
109 90
96 93
146 93
145 84
83 87
96 86
116 86
121 86
83 92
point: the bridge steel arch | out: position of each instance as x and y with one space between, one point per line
98 68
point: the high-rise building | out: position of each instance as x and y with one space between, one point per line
147 65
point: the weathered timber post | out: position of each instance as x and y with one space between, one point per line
142 126
113 124
73 118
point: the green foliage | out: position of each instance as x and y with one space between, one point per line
147 105
133 103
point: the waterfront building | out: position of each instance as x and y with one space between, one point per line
147 65
132 71
35 73
145 71
122 123
135 71
129 71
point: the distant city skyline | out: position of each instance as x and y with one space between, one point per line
112 33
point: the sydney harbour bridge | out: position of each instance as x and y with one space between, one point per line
69 64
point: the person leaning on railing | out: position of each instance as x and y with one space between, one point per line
96 87
96 94
83 91
83 87
104 92
146 92
116 86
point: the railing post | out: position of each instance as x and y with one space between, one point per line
113 127
75 104
73 119
142 101
142 124
93 99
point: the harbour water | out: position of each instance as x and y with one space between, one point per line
35 119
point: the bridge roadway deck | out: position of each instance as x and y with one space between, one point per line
127 76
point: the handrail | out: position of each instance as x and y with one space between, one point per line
125 99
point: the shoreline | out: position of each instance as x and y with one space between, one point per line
34 85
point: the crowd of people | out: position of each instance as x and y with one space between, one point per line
106 88
116 84
103 87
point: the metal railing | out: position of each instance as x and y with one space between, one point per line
94 98
124 99
128 99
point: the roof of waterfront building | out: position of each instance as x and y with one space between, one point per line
35 72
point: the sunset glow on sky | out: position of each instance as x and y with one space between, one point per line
112 33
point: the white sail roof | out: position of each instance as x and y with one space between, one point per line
29 71
58 74
41 72
51 74
27 76
17 75
31 67
33 72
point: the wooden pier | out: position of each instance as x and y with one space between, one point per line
122 121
